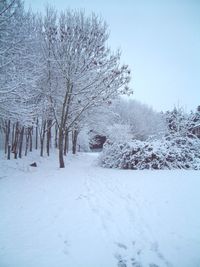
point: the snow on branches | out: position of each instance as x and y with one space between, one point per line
88 73
167 153
178 148
53 70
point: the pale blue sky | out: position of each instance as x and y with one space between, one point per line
160 41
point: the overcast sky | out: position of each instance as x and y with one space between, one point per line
160 41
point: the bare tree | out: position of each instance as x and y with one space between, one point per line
89 73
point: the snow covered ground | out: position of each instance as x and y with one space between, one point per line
87 216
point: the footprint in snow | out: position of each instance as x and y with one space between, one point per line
65 250
135 263
120 261
155 248
121 245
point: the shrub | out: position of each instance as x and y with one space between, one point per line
170 152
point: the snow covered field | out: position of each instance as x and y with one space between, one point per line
87 216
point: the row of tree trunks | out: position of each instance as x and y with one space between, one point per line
45 130
19 137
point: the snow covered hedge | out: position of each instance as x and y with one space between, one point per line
171 152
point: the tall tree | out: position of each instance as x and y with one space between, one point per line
89 72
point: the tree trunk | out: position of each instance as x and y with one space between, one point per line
13 136
62 126
9 148
30 138
27 141
21 142
36 135
7 135
41 147
74 141
66 146
15 144
56 136
61 159
49 123
42 136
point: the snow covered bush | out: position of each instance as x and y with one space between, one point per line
170 152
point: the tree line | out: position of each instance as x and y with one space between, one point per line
55 70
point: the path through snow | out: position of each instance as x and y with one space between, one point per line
87 216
